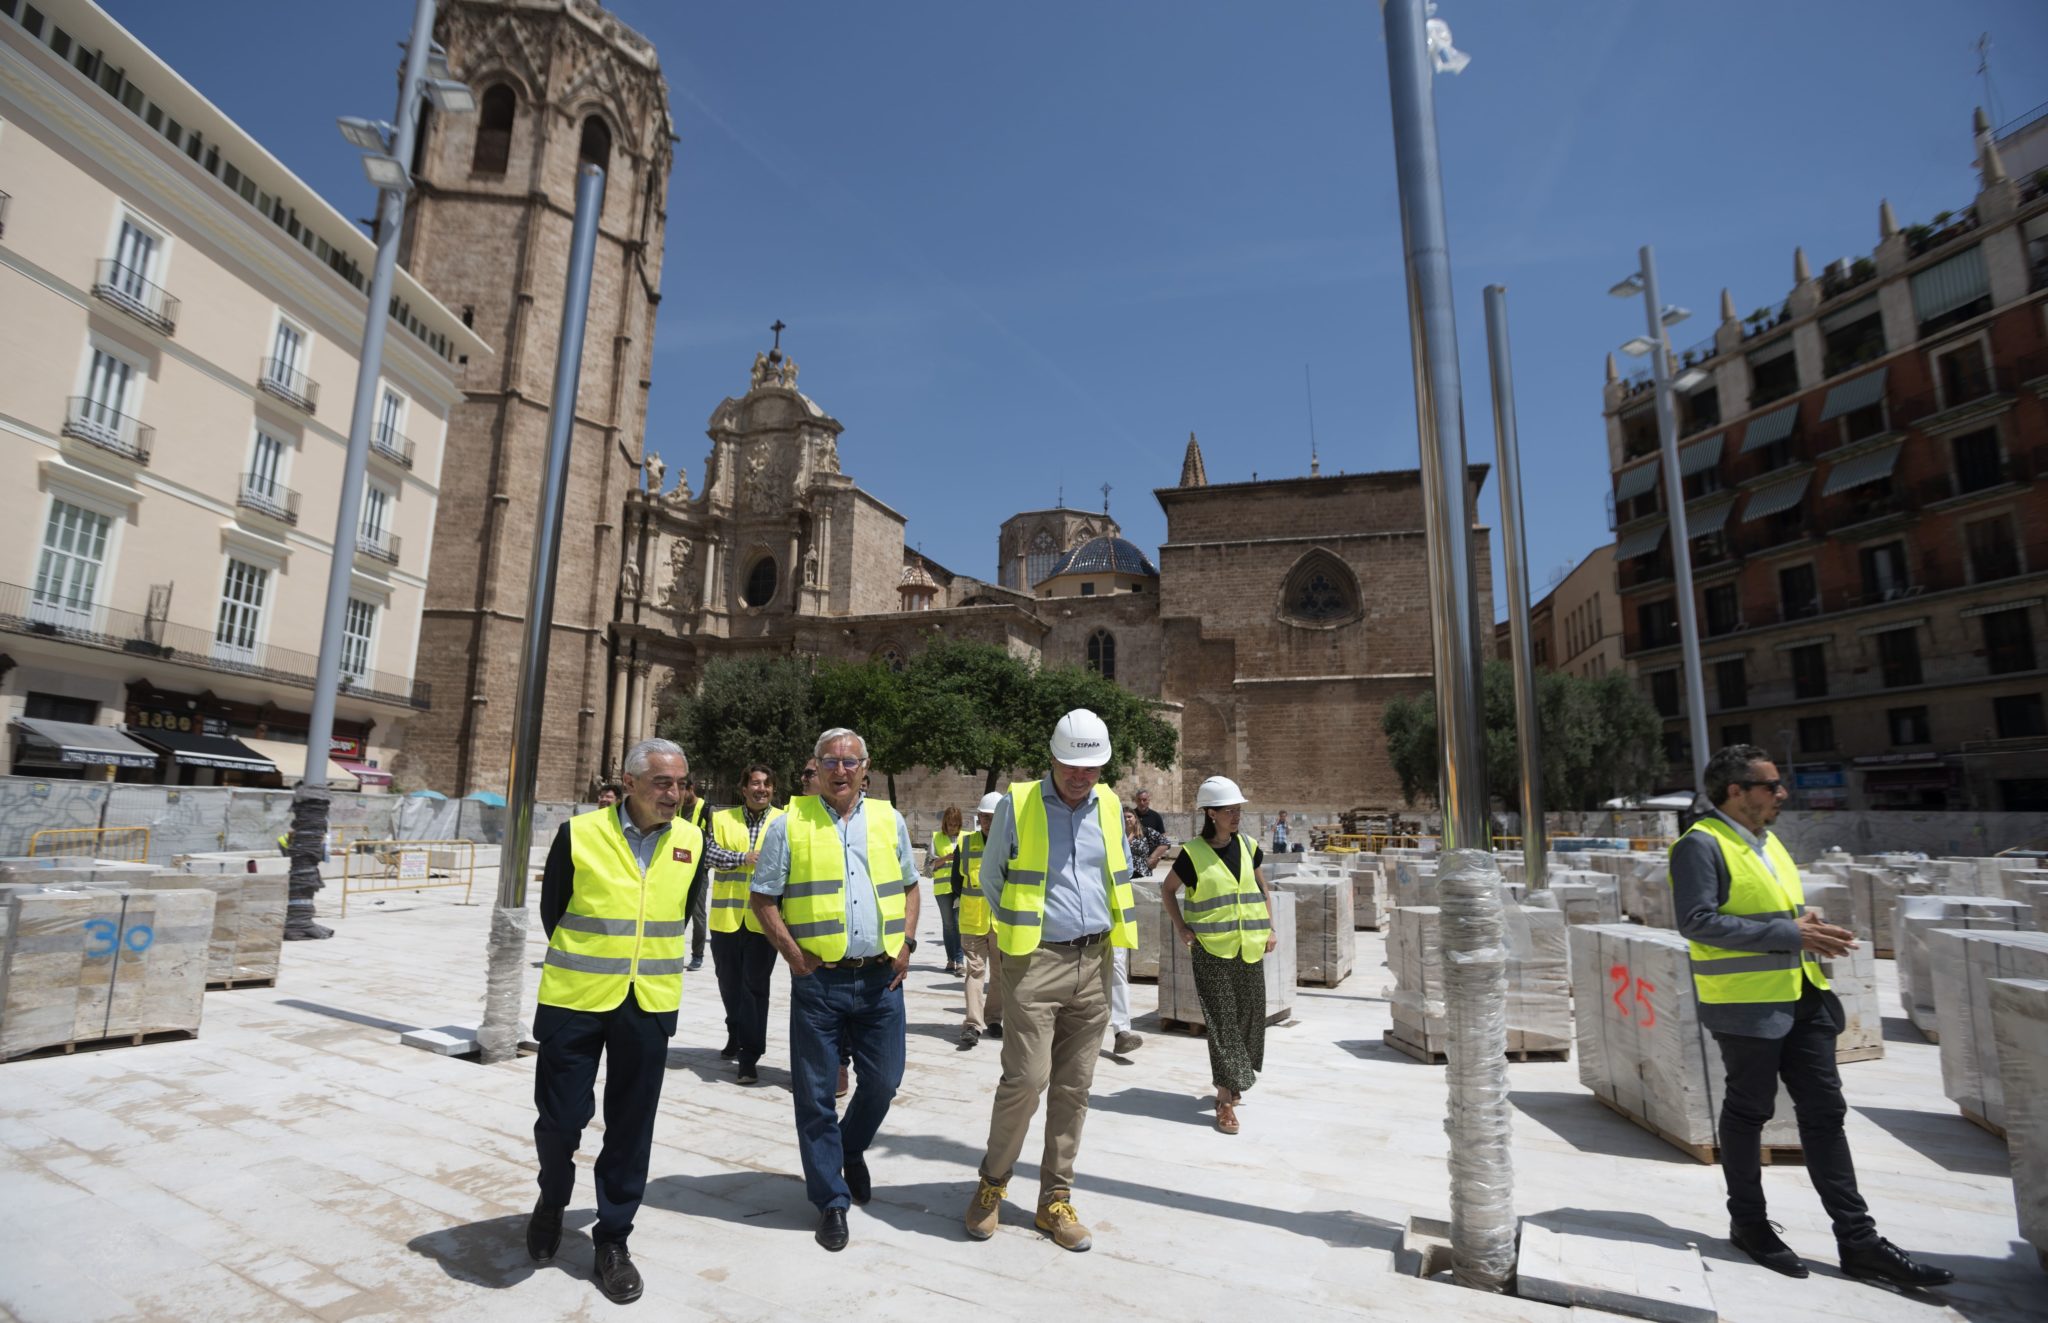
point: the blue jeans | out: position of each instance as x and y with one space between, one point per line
949 925
832 1013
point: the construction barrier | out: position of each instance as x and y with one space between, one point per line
368 866
129 844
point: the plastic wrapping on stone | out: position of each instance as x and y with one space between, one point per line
1473 931
498 1037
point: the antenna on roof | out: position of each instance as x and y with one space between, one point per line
1983 49
1105 498
1315 464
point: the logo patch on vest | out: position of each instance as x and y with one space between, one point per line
680 855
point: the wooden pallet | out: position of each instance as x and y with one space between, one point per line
1885 953
1984 1122
1710 1154
96 1044
1870 1052
1431 1058
1184 1027
229 984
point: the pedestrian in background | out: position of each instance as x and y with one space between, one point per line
1280 833
741 953
977 938
939 867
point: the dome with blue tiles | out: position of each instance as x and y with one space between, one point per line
1105 555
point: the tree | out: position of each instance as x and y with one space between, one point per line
871 698
746 710
973 704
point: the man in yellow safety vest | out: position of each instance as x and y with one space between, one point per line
740 950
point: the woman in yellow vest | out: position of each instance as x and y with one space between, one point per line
977 932
938 865
1226 924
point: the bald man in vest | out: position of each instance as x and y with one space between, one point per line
1756 953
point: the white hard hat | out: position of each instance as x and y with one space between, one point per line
1218 792
989 802
1081 740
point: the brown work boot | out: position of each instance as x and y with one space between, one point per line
1057 1218
985 1209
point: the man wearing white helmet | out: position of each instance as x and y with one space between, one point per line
977 938
1058 884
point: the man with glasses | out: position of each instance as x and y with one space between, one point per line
835 889
740 949
1756 953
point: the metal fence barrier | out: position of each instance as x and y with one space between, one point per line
128 844
368 866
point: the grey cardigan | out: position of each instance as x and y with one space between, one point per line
1699 888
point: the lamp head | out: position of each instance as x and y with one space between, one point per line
451 97
387 172
1628 287
1636 347
372 135
1672 314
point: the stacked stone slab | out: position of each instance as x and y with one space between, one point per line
1325 943
79 965
1913 917
248 922
2019 1025
1151 925
1368 899
2035 895
1853 977
1180 1006
1644 877
1873 891
1414 881
1641 1046
1538 978
1963 963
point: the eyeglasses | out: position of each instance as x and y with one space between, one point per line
840 764
1775 785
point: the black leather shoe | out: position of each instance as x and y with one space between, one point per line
543 1232
1759 1240
729 1051
995 1028
832 1229
748 1074
616 1275
860 1187
1882 1261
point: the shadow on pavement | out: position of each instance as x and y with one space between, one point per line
1898 1029
1374 1049
1157 1104
1945 1138
1581 1121
353 1017
748 1198
492 1253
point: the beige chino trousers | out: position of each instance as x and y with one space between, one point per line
984 983
1056 1005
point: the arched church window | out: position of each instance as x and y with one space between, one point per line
1320 591
495 113
761 581
890 656
1102 654
596 147
1039 562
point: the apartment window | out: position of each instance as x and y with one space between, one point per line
1978 464
135 251
1862 424
358 629
109 386
1884 571
1898 655
2008 641
287 353
1735 732
1664 692
1852 337
1102 654
266 465
68 574
1724 609
1962 374
1677 749
377 501
1639 433
2018 717
495 116
1731 683
240 624
1816 734
1774 373
1798 596
1908 725
1657 623
1991 550
1809 670
391 420
1699 410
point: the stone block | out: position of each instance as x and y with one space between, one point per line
1913 918
1178 1001
1873 891
1367 899
1151 925
1580 1264
1538 976
1414 882
248 922
82 965
2019 1025
1963 962
1325 943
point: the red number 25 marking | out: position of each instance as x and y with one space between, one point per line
1643 992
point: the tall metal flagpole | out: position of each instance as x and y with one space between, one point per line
310 801
1528 717
498 1036
1471 921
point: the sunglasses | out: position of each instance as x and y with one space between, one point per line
1778 784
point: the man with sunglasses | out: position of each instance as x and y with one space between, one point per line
1756 952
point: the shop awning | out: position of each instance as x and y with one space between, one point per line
1948 285
1700 456
361 771
1867 468
1634 482
1640 543
1850 396
75 744
194 749
1770 429
1772 500
291 763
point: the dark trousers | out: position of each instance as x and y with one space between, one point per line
1805 1060
745 962
832 1013
949 925
699 915
634 1044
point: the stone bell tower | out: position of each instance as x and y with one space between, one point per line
558 83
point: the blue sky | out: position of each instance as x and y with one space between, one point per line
1027 247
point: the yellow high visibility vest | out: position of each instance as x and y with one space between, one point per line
974 920
942 846
814 899
1019 913
729 890
1227 912
621 930
1755 891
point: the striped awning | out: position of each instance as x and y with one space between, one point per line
1641 542
1949 285
1849 316
1850 396
1862 469
1771 428
1705 523
1771 500
1700 456
1634 482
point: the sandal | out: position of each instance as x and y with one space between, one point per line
1226 1118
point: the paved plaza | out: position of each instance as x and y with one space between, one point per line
295 1161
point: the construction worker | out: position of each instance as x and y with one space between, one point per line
741 953
938 866
698 814
1058 884
977 938
1756 953
613 897
836 891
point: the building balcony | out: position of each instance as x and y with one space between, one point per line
295 388
24 612
378 546
123 287
1978 479
267 496
391 445
5 198
91 421
1946 228
1765 320
1837 283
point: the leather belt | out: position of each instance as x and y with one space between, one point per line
1086 939
859 962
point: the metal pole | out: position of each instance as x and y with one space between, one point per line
498 1037
1507 453
1468 880
1681 549
310 801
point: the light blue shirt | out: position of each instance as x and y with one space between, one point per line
642 844
1755 842
863 911
1077 860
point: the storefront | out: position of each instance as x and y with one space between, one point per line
1922 781
1821 786
198 751
75 750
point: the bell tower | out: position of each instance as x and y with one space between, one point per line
558 83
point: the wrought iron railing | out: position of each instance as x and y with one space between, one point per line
393 445
378 545
269 496
295 388
92 420
147 302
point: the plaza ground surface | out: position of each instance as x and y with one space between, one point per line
294 1161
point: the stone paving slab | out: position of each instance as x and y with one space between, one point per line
296 1162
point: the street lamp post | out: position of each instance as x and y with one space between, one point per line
388 149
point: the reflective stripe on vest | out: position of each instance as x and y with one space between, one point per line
729 908
973 914
814 900
1019 912
1227 912
620 929
1756 890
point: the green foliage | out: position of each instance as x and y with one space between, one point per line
745 710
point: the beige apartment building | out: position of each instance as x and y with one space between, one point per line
178 361
1576 627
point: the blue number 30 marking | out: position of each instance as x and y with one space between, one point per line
138 938
104 937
